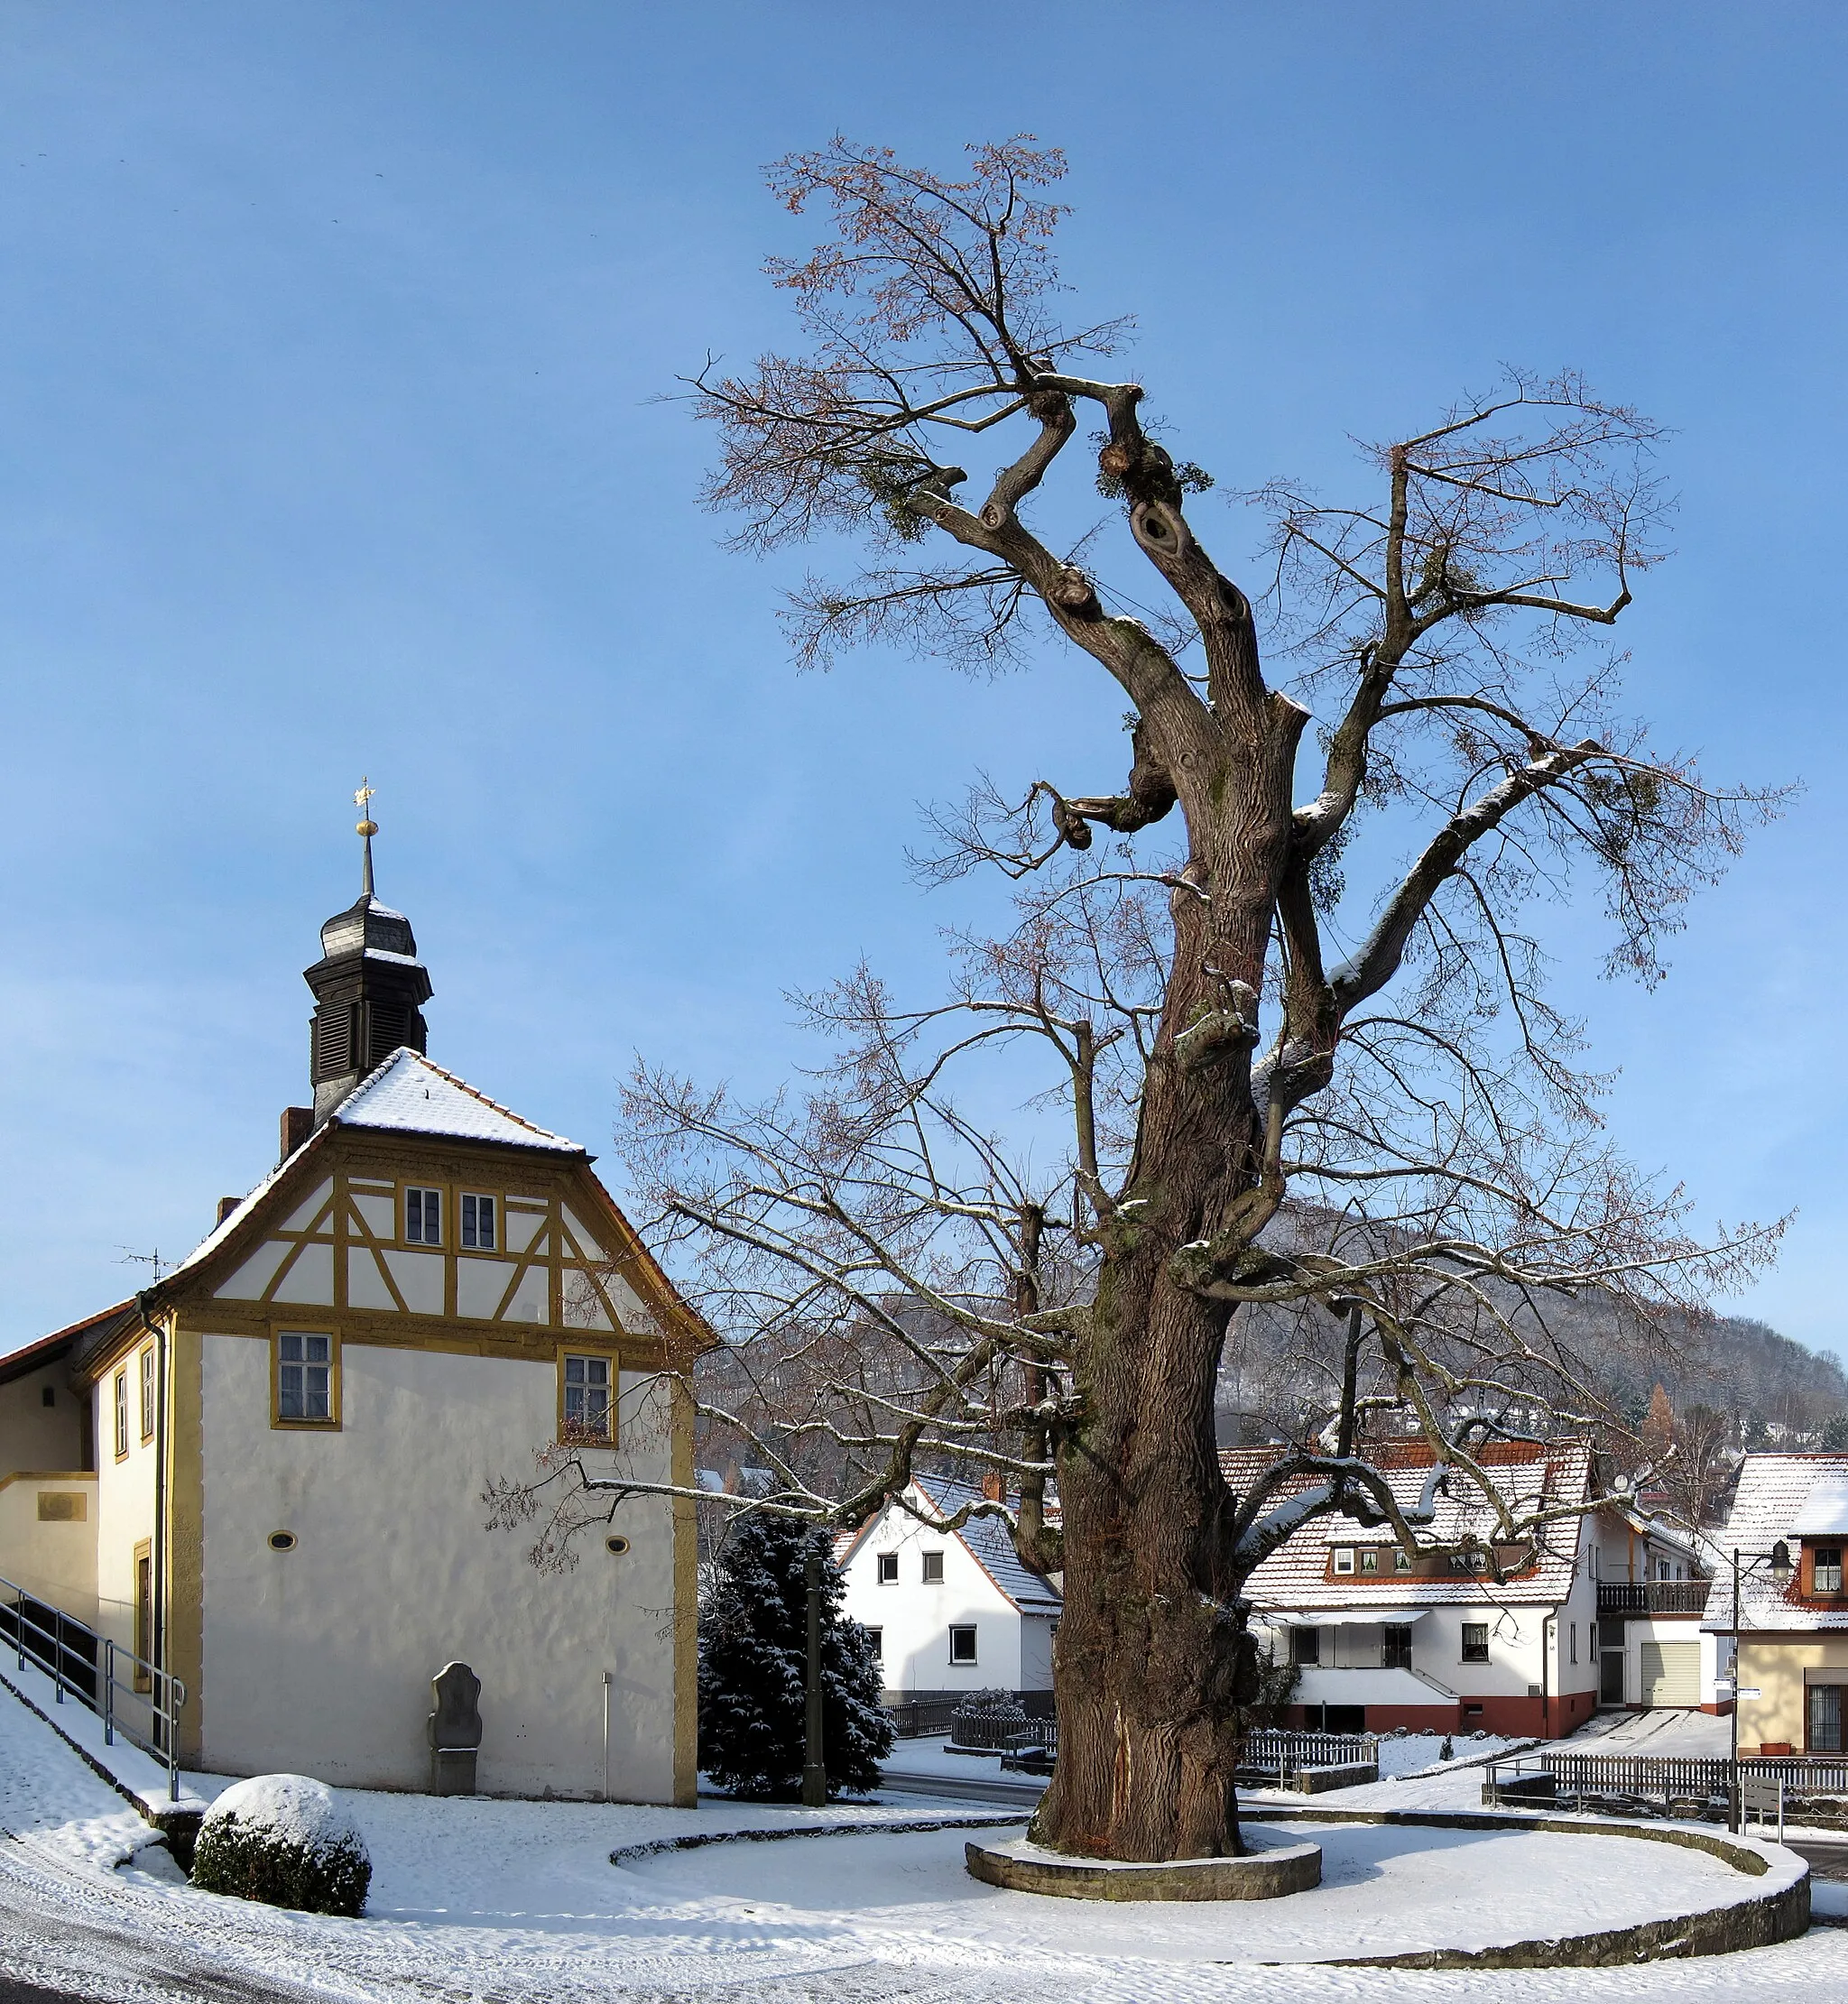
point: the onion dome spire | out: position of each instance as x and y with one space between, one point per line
368 986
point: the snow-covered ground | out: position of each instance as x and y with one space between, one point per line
511 1901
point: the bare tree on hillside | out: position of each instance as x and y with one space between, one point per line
1223 1027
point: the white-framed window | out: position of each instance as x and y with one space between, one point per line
888 1568
962 1643
480 1224
1343 1558
147 1393
933 1568
423 1217
878 1639
121 1414
304 1376
586 1412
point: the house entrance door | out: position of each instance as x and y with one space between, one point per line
1611 1663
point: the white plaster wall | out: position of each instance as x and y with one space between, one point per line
34 1434
56 1562
318 1660
916 1618
1663 1628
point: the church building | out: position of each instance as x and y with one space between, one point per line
264 1477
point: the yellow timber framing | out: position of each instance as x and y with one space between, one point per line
187 1308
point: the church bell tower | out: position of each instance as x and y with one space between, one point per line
369 987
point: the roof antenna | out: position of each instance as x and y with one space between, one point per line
366 827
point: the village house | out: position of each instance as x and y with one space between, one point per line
1652 1591
264 1477
1789 1527
1382 1638
950 1612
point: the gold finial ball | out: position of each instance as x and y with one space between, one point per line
366 827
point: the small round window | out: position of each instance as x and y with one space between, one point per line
282 1541
616 1544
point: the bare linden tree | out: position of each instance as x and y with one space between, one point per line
1196 1077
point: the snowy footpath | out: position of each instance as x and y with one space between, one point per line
513 1901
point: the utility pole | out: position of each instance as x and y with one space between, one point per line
814 1764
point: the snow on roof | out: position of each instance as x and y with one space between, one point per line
409 1094
1778 1496
1297 1573
1825 1510
405 1094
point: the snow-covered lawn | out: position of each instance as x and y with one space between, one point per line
516 1901
1415 1753
1385 1891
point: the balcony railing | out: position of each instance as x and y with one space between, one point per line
1653 1596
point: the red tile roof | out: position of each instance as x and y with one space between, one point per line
1295 1574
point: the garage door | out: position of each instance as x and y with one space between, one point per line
1671 1673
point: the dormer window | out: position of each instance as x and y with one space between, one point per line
1370 1561
1825 1569
1343 1558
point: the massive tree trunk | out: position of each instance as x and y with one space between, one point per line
1152 1656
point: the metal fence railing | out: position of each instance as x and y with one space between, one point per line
1660 1784
131 1695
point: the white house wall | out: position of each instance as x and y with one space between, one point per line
319 1659
53 1558
915 1620
34 1434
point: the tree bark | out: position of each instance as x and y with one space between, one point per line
1152 1656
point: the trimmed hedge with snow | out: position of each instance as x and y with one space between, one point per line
283 1839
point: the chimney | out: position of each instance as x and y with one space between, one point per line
226 1205
298 1124
994 1485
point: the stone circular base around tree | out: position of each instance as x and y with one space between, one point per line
1266 1872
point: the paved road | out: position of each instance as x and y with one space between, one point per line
969 1788
1826 1859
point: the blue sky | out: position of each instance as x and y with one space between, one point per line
333 338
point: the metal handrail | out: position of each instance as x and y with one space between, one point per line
100 1660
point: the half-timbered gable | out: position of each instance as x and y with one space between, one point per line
288 1438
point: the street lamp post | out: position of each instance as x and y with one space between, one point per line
1778 1559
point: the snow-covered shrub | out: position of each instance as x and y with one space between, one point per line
283 1839
753 1628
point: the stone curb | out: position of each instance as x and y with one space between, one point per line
1271 1874
696 1840
1756 1923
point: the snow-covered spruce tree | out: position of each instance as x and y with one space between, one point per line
752 1658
